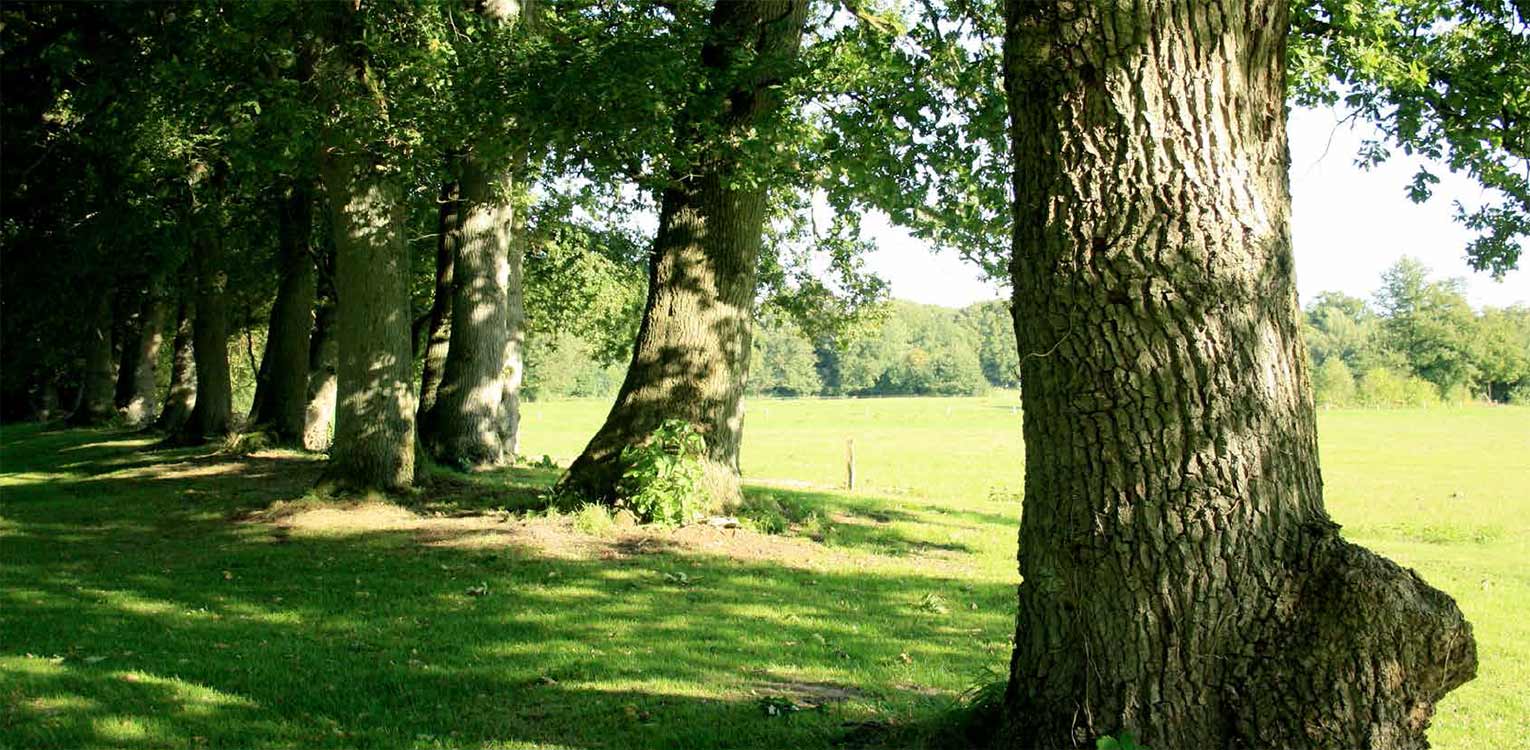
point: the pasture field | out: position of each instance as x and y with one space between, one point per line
200 598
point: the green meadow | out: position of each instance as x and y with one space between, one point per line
205 598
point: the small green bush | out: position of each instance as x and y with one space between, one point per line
763 513
661 477
594 519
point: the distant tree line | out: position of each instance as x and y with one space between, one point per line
1417 343
900 349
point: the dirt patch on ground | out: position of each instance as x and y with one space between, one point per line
805 694
552 537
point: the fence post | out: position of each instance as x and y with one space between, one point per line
850 464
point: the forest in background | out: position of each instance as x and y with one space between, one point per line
1417 342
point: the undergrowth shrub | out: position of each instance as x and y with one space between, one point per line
594 519
662 476
775 514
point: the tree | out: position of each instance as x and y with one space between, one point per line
96 387
1181 579
141 401
1503 350
437 333
181 397
691 357
374 434
1333 384
476 413
782 363
281 397
1429 324
213 413
994 328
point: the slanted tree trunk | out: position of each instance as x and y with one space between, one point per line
319 416
97 383
374 416
128 315
182 395
514 366
691 357
213 413
281 398
1181 578
468 426
438 330
140 404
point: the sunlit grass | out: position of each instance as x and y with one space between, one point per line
141 605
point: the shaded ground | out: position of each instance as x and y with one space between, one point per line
154 598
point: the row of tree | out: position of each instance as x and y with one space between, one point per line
1122 165
1418 343
894 349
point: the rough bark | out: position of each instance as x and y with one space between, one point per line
213 413
319 416
98 379
281 397
438 330
182 395
1181 578
375 410
691 357
468 426
140 404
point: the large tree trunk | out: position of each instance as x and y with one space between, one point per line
98 381
1181 579
691 357
319 416
140 402
213 414
468 426
281 398
182 396
438 331
374 416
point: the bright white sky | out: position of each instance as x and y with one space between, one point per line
1349 225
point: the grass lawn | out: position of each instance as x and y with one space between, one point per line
184 598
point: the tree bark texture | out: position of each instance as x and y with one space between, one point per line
691 357
319 416
438 332
468 425
281 398
98 380
375 400
141 402
213 414
181 397
1181 578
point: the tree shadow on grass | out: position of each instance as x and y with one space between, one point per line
137 612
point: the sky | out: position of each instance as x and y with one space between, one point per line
1348 225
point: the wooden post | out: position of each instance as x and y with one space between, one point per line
850 464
